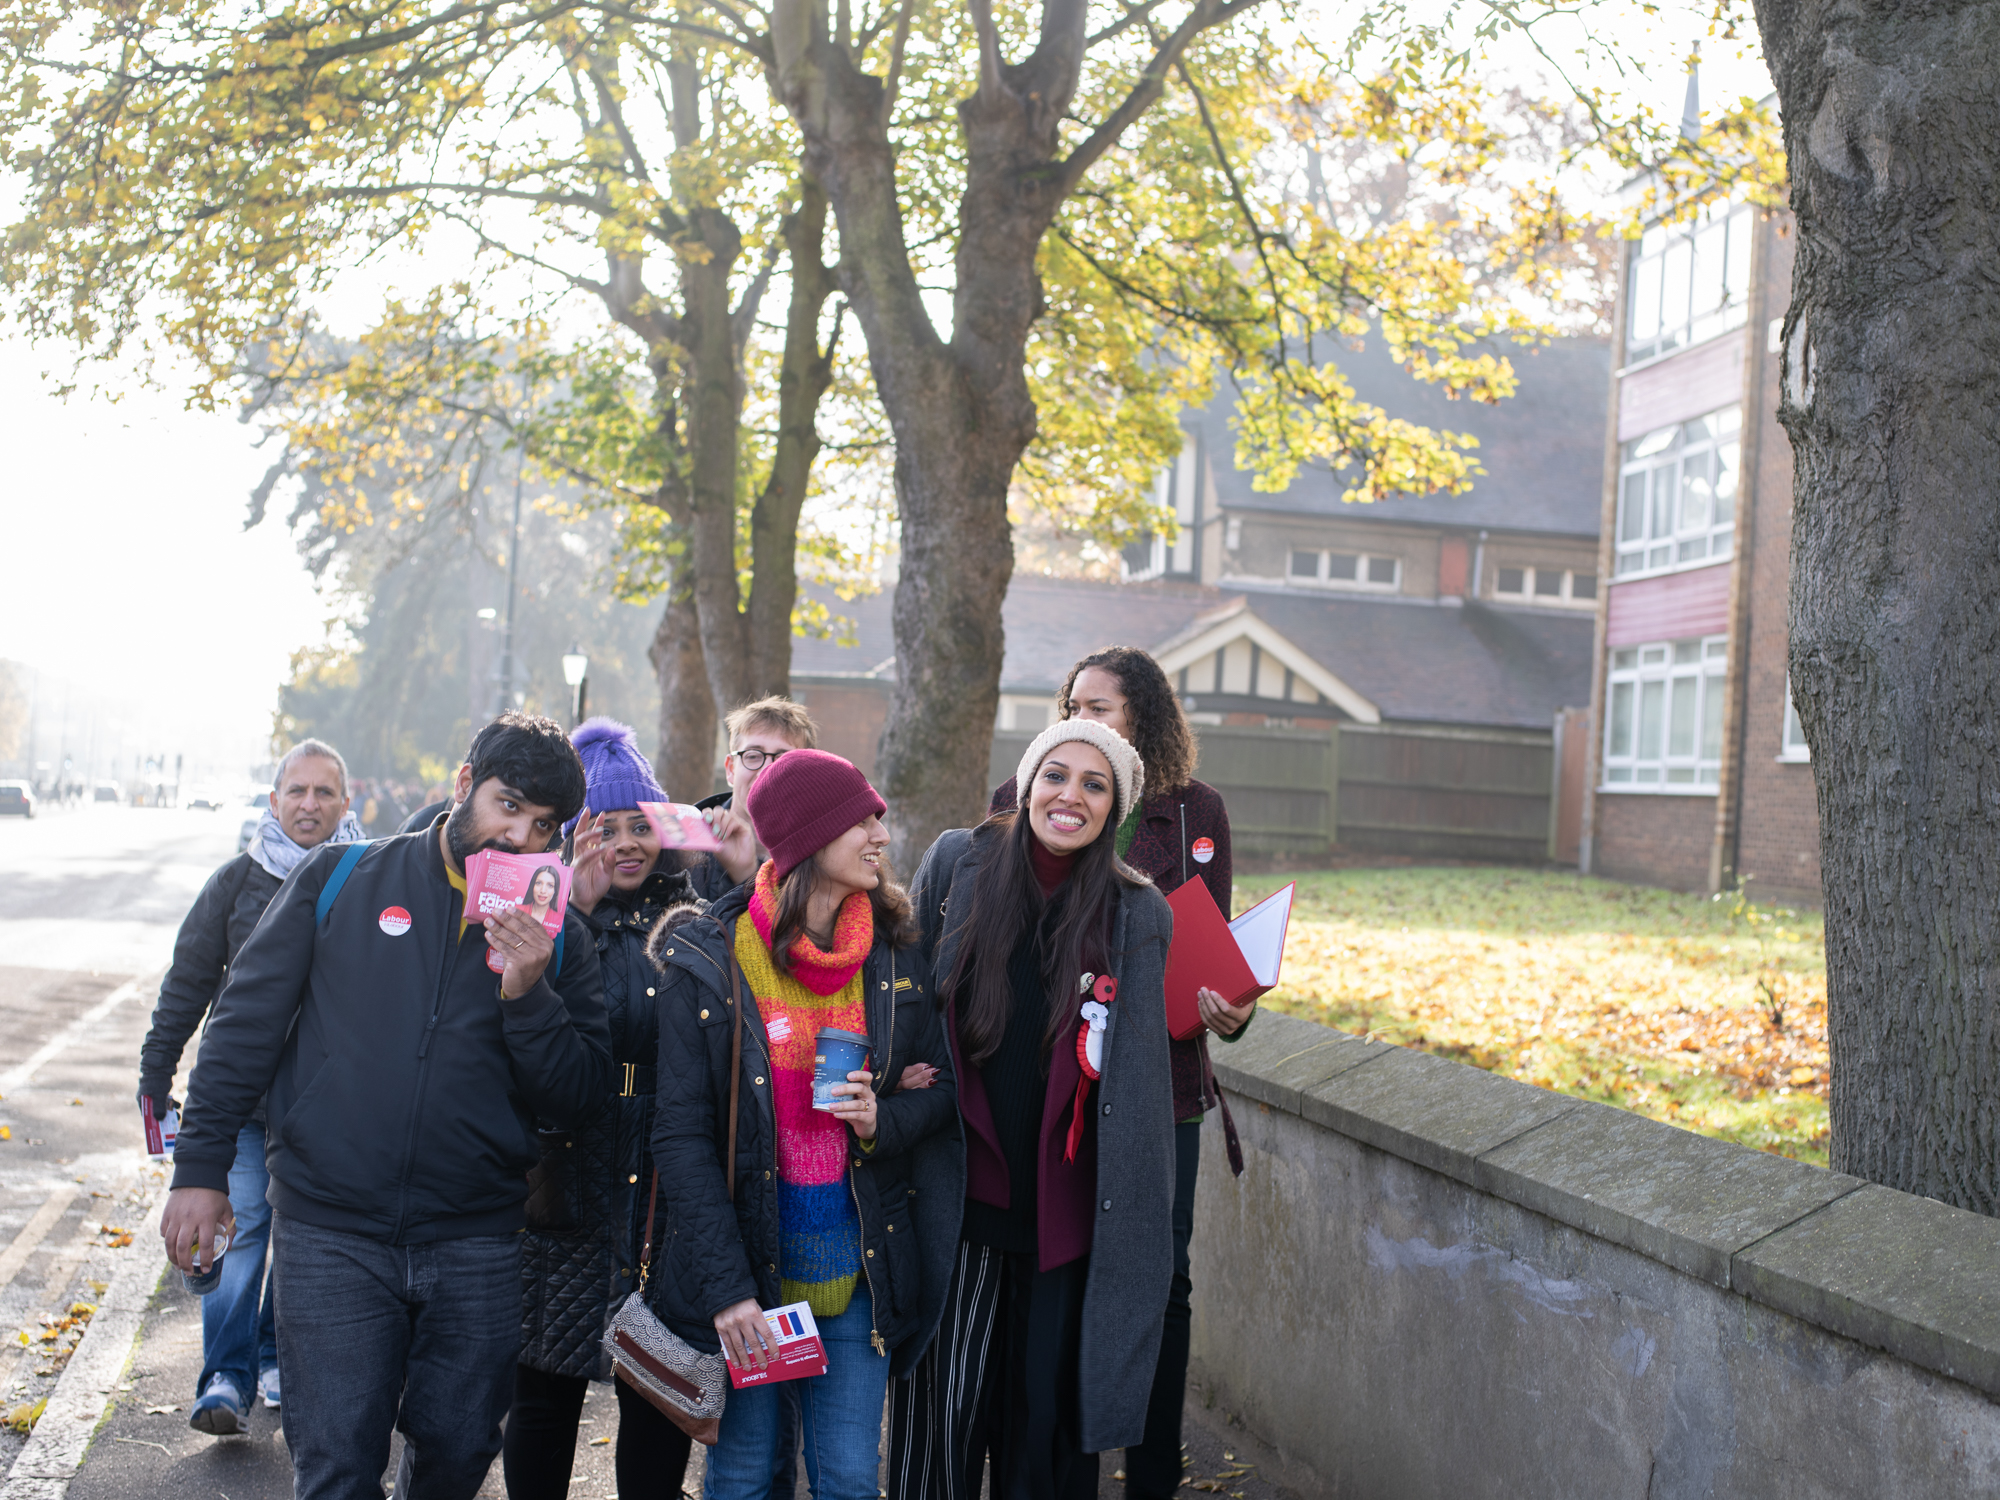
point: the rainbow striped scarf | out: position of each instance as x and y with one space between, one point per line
819 1229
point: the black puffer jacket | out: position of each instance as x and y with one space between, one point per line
572 1279
709 1253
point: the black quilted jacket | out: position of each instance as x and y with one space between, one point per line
710 1253
571 1280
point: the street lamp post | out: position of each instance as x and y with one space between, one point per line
576 672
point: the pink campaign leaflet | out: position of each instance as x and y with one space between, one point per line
680 825
495 881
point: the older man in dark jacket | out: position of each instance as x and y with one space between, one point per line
404 1086
309 798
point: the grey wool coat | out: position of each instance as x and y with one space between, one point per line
1131 1256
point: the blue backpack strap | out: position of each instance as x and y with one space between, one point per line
338 879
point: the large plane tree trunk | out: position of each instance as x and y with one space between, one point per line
1892 383
960 408
686 760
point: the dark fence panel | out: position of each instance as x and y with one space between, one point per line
1297 793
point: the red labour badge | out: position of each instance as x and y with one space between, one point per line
1099 991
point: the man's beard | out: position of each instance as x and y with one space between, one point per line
465 838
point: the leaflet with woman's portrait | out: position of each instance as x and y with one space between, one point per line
495 881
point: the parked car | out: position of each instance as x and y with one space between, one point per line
260 801
107 791
17 798
207 801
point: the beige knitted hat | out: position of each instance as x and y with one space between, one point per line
1128 772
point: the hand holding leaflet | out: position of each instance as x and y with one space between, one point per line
797 1351
1239 960
496 882
680 825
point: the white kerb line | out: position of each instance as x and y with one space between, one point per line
88 1382
68 1037
34 1232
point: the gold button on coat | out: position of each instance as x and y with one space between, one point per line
704 1015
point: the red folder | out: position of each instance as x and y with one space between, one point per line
1238 960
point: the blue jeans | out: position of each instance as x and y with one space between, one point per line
418 1338
235 1341
840 1413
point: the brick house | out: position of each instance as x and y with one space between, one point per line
1699 772
1405 663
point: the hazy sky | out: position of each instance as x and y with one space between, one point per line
129 571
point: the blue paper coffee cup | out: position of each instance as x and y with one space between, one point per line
835 1055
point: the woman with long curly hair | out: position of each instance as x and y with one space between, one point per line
1178 833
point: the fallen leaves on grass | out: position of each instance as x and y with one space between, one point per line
1706 1014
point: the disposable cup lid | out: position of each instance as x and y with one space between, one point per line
830 1034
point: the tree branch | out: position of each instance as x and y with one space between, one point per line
1152 83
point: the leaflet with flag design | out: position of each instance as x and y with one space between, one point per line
799 1352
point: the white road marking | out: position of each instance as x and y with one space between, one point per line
83 1393
68 1037
33 1233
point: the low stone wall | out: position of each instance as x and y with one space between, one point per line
1435 1281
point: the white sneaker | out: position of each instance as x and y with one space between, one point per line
267 1386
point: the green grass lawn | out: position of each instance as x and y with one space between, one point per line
1709 1014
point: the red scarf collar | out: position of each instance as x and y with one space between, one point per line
853 936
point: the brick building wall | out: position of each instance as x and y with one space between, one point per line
1777 833
1663 841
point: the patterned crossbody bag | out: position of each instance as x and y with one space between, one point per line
688 1386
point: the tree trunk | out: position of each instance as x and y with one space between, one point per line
961 411
1891 382
712 395
686 762
803 379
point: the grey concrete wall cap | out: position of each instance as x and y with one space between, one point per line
1283 1055
1910 1275
1678 1197
1425 1109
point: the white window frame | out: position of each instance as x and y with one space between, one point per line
1321 576
1531 575
1689 283
1677 493
1656 691
1792 746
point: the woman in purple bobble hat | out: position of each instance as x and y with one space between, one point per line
589 1192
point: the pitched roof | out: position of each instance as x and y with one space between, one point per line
1412 661
1542 448
1467 665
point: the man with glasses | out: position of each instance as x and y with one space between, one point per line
759 733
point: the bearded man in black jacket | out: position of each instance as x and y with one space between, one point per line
405 1085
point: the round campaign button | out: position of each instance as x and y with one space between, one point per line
1203 851
395 921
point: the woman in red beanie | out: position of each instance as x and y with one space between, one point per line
830 1201
1051 954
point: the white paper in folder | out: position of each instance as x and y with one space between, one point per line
1260 933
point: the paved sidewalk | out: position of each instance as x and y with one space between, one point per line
146 1447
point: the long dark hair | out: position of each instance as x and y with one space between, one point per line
895 919
1008 903
1160 731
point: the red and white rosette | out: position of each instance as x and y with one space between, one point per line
1101 989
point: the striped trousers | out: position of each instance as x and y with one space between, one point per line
999 1382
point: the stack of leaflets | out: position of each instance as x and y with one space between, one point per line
495 882
799 1352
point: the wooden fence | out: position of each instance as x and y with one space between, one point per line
1390 789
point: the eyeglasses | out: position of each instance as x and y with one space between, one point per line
756 760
